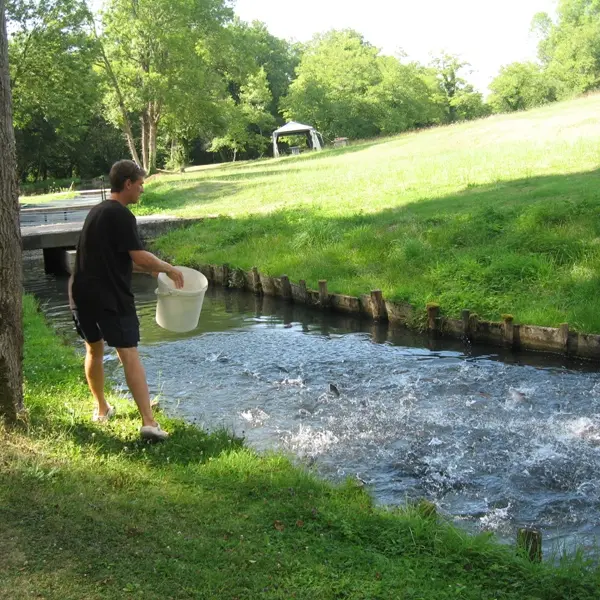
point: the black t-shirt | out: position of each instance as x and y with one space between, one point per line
103 267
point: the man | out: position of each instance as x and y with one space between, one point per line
103 305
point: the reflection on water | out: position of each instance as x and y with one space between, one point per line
497 440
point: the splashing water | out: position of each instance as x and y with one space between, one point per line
496 445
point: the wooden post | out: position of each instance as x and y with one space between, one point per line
258 304
379 332
564 337
433 312
473 321
256 286
530 540
303 291
508 330
323 294
226 275
286 288
378 306
466 315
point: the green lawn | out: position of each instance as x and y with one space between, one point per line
43 198
498 216
88 512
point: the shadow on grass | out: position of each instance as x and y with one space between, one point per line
186 444
238 526
180 193
212 185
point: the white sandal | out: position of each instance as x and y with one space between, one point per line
153 434
96 418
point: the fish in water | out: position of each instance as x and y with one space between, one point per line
517 396
333 389
299 382
361 482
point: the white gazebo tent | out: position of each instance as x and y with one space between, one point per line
314 138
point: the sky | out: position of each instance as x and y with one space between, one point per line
484 33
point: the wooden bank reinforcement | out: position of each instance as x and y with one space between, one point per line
506 333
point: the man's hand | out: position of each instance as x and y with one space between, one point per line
176 276
149 263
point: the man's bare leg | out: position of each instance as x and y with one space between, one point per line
136 381
94 373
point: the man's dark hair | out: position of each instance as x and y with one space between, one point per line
122 171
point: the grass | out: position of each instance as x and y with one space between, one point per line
43 198
88 512
497 216
48 186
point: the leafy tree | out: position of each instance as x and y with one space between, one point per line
345 87
55 89
570 48
335 76
402 98
277 57
249 119
250 47
457 98
159 62
520 86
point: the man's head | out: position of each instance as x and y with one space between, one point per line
126 181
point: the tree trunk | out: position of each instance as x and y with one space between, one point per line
152 152
153 119
11 328
126 125
130 140
145 121
113 79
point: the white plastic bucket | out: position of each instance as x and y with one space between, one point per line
179 310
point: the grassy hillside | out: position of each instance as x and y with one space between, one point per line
498 216
88 512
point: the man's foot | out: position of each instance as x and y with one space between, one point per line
97 418
153 433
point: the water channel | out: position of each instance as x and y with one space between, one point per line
497 440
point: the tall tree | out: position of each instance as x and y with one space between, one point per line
158 58
253 47
520 86
335 75
54 87
346 88
456 96
570 48
402 99
249 120
11 332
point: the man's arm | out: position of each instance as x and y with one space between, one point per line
137 269
146 262
70 292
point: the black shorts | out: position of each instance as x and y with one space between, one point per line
117 331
